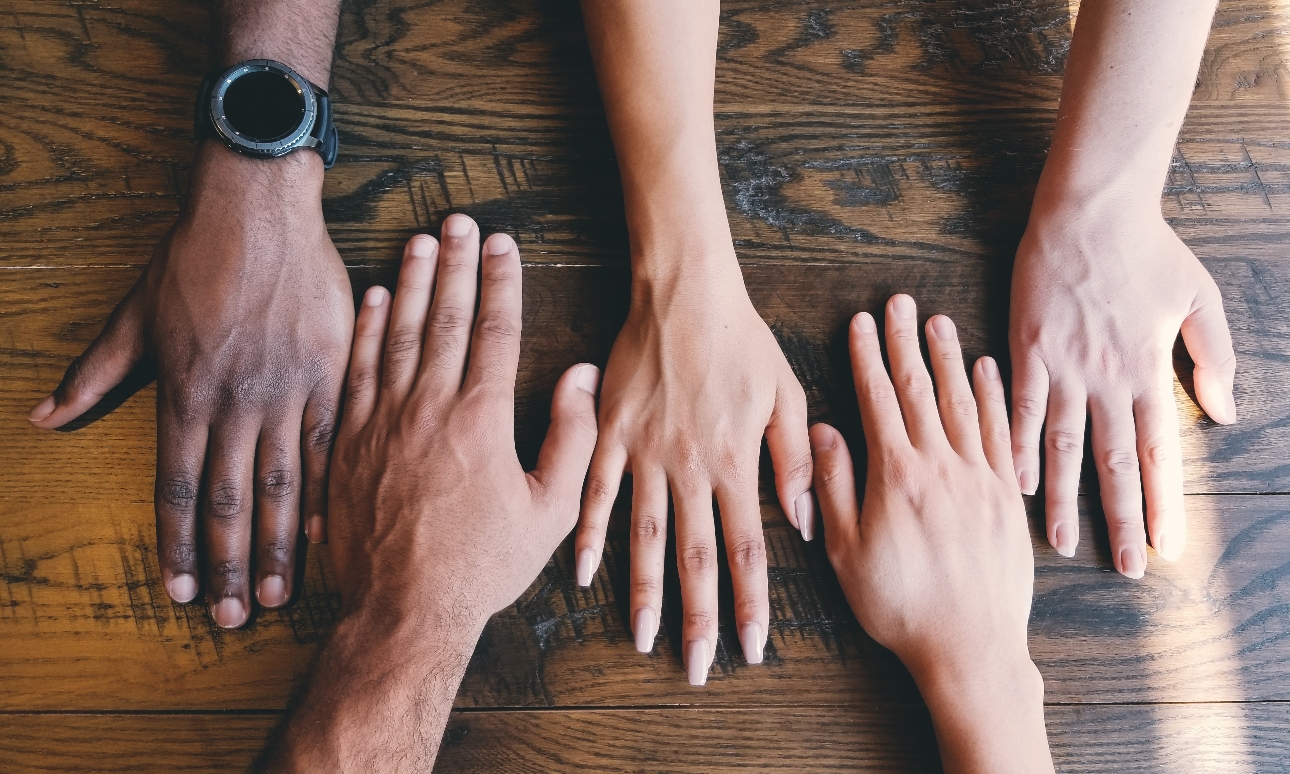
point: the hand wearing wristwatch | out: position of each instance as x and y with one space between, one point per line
264 109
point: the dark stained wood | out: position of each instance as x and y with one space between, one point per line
866 147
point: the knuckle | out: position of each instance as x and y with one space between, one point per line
902 473
495 328
961 405
448 320
321 432
1120 462
1065 442
701 620
362 381
403 343
748 553
914 383
178 492
800 467
646 588
230 572
226 500
648 528
875 390
1030 408
181 553
276 552
1159 453
830 478
700 560
600 491
278 484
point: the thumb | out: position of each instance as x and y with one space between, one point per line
1209 342
102 366
566 452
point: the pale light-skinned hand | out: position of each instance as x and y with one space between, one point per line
1098 299
694 381
937 564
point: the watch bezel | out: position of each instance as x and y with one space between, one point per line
299 138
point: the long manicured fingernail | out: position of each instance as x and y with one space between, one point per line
696 661
751 641
421 246
805 512
1028 480
645 629
314 529
272 591
182 588
375 296
457 225
500 244
1133 562
865 323
903 306
588 378
943 327
989 368
1064 540
229 613
42 409
586 566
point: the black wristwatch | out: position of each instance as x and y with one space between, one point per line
264 109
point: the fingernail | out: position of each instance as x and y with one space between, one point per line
864 323
989 368
645 630
588 378
1231 411
696 661
314 529
1064 540
229 613
805 512
182 588
42 409
421 246
457 225
1133 562
1167 549
903 306
586 566
750 640
1028 480
943 327
375 296
500 244
272 591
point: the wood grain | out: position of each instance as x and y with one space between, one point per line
1129 739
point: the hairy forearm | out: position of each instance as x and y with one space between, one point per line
1129 79
656 65
988 712
378 698
298 33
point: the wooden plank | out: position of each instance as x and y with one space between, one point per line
1133 739
86 624
848 131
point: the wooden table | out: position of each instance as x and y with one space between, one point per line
867 147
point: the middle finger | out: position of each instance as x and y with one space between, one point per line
227 510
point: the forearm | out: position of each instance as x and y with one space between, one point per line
298 33
656 65
378 698
1129 79
988 713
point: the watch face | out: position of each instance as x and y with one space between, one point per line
264 106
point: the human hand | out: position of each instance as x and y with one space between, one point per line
1097 302
694 380
246 309
431 513
937 564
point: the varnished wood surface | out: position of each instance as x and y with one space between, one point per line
866 147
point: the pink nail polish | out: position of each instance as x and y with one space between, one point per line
42 409
586 566
182 588
272 591
696 661
229 613
805 512
751 641
645 630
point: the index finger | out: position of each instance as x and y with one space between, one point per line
879 409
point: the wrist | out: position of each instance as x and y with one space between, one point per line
230 178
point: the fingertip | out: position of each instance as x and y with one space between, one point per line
587 377
902 306
422 246
1131 561
41 411
182 588
1064 540
988 368
499 244
588 561
864 323
316 529
375 296
458 225
942 328
824 438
